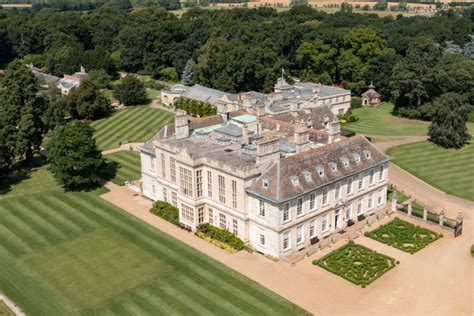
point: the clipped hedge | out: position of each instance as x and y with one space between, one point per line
356 263
403 235
221 235
166 211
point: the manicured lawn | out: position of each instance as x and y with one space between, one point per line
4 310
380 122
403 235
127 166
74 253
135 124
448 170
356 263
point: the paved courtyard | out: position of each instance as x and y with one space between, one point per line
438 280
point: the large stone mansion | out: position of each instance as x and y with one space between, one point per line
285 98
279 181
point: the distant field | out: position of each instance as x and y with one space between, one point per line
128 166
451 171
135 124
76 254
380 122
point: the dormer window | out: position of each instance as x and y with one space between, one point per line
266 183
356 157
345 162
367 154
320 171
295 180
333 166
307 175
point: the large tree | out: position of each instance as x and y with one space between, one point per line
448 128
130 90
21 127
317 61
73 156
87 101
414 76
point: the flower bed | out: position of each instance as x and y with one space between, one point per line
166 211
356 263
403 235
221 235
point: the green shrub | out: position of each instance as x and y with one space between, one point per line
194 107
356 102
221 235
472 250
166 211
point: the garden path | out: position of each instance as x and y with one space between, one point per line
437 280
123 147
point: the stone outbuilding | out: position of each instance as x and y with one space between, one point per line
370 97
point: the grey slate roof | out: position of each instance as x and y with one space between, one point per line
281 187
46 78
230 130
316 115
205 94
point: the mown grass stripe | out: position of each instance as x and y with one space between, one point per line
23 231
40 226
117 125
134 127
116 119
51 204
199 267
14 245
67 229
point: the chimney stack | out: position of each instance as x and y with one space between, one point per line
334 131
268 149
245 134
181 125
301 137
294 109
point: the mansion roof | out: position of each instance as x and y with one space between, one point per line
315 168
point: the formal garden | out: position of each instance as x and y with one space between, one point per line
133 124
445 169
403 235
356 263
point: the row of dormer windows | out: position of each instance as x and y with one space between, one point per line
336 192
320 170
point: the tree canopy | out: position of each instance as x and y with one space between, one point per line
73 156
130 91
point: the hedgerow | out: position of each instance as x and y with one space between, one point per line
403 235
356 263
221 235
166 211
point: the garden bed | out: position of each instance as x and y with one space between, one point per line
403 235
166 211
222 237
356 263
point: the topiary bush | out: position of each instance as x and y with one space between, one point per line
403 235
356 263
221 235
166 211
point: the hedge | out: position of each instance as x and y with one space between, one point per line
356 263
403 235
166 211
194 107
221 235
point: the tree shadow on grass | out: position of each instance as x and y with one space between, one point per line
20 172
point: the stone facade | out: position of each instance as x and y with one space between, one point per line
277 189
286 98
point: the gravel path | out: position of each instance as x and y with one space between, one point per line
15 309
